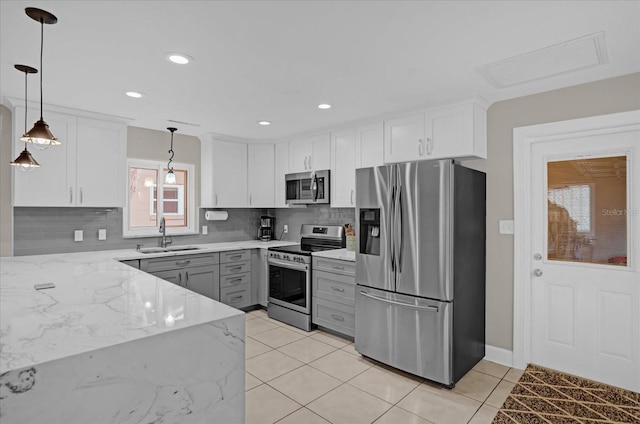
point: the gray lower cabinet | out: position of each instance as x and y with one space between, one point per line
235 278
199 273
333 295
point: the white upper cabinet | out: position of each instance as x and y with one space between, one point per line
403 138
260 174
308 154
281 169
343 168
101 158
370 145
458 131
87 169
223 173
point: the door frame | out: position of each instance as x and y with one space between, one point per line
524 139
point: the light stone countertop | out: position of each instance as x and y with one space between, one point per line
97 302
341 254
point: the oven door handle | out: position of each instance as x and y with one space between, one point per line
287 264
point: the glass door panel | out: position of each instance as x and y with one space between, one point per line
587 210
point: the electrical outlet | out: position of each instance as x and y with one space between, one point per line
286 228
77 235
205 230
102 234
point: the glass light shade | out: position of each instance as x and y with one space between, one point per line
25 162
40 136
170 178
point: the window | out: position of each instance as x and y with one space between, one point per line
150 199
577 200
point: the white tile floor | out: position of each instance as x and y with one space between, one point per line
296 377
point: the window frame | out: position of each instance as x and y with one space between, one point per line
190 190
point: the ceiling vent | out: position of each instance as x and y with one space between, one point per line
574 55
183 123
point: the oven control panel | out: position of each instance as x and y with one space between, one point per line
290 257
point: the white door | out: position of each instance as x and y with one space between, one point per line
583 257
229 174
343 169
404 139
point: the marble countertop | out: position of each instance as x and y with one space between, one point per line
341 254
97 302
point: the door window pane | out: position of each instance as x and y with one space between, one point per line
587 210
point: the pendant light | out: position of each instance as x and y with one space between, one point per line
25 162
171 177
40 135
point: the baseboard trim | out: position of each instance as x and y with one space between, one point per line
498 355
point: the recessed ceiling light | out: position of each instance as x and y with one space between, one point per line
179 58
265 123
134 94
324 106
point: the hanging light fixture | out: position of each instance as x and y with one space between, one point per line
40 135
171 177
25 162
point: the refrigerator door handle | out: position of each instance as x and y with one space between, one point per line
391 227
405 305
398 218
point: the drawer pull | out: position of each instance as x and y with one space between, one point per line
338 289
235 280
236 299
337 317
183 263
337 267
235 268
235 257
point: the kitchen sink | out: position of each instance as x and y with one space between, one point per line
148 250
181 248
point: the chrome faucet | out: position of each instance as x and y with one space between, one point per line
163 230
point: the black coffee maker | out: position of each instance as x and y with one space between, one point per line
267 227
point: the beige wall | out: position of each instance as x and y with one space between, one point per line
148 144
6 225
597 98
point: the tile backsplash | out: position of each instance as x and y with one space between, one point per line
40 231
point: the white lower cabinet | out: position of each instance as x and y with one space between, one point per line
333 295
87 169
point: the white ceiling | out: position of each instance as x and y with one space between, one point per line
277 60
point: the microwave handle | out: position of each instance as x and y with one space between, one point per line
314 188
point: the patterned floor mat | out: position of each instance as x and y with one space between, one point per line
546 396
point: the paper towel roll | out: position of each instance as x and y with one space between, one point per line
216 215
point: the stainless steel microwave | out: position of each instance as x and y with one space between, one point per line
307 188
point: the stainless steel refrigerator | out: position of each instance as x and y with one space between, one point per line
420 267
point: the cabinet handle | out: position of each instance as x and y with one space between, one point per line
249 199
305 162
81 195
235 280
310 162
338 289
183 263
235 257
215 201
236 299
337 317
70 195
352 197
235 268
420 149
187 275
337 267
429 146
180 279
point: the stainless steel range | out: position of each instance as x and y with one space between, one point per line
290 273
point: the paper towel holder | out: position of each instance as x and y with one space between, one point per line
216 215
